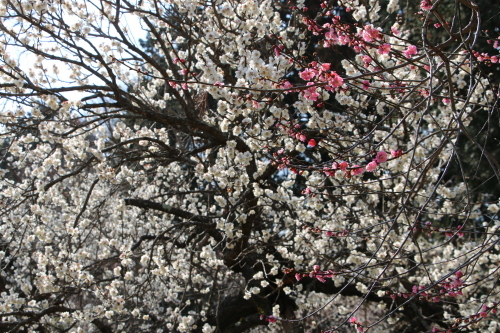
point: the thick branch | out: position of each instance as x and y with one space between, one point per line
147 204
201 221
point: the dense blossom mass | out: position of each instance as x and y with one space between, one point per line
249 166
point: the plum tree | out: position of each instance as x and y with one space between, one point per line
256 166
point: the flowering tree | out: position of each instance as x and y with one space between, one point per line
261 166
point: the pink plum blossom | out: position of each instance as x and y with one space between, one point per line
311 93
381 157
334 80
384 49
426 5
396 153
325 67
357 170
308 74
411 50
370 167
369 34
395 31
286 85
